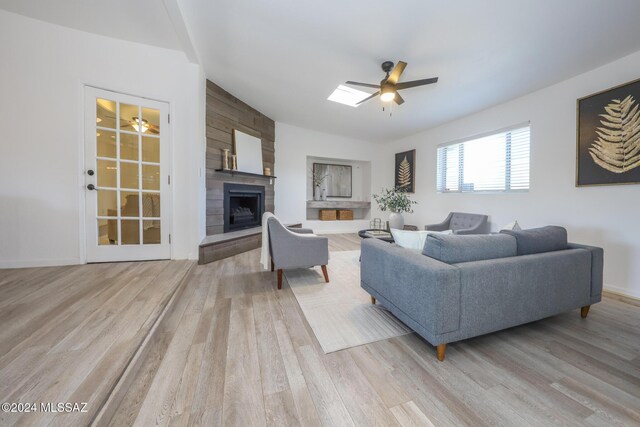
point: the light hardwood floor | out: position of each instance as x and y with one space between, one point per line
236 351
68 332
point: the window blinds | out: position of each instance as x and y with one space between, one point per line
495 162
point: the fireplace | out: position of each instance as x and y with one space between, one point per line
243 206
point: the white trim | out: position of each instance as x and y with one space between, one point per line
82 244
625 292
41 263
127 251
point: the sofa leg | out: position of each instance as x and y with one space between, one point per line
584 311
442 348
373 299
326 274
279 278
273 267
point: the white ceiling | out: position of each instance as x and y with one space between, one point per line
285 57
142 21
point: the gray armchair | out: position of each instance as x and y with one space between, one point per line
296 248
462 223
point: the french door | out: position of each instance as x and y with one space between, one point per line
127 183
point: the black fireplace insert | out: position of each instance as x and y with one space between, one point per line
243 206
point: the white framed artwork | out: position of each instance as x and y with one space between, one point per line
248 151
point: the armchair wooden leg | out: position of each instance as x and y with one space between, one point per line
279 278
273 267
373 299
326 275
442 348
584 311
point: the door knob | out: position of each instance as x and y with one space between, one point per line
92 187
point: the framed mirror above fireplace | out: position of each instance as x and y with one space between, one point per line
243 206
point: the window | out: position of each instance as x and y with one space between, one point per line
495 162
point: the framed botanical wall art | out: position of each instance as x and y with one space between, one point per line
405 171
608 137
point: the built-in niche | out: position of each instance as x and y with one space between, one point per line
347 186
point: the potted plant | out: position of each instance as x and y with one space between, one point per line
397 201
317 181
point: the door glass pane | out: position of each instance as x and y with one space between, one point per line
106 173
150 149
107 232
129 175
105 113
151 205
106 143
151 232
130 203
150 177
129 117
107 203
128 146
130 231
151 118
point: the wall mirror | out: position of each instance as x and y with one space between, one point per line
248 151
337 181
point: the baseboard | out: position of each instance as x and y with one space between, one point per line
40 263
622 291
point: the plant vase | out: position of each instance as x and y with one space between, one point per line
316 193
396 220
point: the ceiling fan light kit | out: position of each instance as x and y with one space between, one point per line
387 93
138 124
389 86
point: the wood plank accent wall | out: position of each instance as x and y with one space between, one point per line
225 113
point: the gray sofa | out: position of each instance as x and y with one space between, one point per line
464 286
462 223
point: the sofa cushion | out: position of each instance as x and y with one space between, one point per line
413 239
538 240
454 249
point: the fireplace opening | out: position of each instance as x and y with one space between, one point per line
243 206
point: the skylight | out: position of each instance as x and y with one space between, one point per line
348 96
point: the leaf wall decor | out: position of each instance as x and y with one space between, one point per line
617 148
404 173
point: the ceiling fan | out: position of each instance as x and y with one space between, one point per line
389 86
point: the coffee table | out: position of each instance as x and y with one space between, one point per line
363 235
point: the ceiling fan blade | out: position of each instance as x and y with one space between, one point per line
414 83
398 99
397 72
373 95
362 84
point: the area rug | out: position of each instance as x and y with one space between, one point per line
340 313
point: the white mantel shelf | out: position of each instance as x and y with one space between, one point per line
337 204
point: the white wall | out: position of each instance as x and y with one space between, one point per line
44 68
603 216
293 145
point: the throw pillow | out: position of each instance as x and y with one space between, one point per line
514 226
413 239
